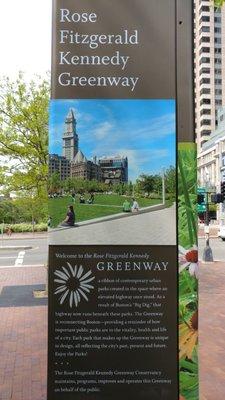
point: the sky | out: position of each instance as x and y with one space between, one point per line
25 37
142 130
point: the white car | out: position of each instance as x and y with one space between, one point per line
221 232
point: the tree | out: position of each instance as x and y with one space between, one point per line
24 134
170 181
55 184
146 183
219 3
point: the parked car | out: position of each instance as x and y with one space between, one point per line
221 232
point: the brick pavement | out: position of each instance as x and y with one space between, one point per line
23 342
212 331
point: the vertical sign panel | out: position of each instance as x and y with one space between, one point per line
117 168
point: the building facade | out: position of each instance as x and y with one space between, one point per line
209 67
73 163
84 169
114 169
60 165
211 161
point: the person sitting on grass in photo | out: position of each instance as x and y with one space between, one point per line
126 206
135 206
73 195
91 199
70 217
82 199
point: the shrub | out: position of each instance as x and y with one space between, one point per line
16 228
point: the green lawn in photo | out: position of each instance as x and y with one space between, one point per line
104 205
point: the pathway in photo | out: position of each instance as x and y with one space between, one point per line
156 227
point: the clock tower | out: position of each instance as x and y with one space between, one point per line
70 137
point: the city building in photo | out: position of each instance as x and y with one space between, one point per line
114 169
73 163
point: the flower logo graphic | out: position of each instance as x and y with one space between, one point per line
74 284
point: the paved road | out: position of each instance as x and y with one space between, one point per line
156 227
37 255
217 246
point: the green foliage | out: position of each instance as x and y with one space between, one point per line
146 183
55 184
170 180
24 134
188 286
19 228
219 3
187 189
24 209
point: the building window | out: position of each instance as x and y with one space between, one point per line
218 71
205 81
204 60
204 9
218 61
204 39
217 19
205 112
218 50
205 132
205 122
218 92
204 91
218 81
204 50
217 30
205 70
204 29
205 101
218 102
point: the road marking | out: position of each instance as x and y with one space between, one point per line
7 258
22 266
20 257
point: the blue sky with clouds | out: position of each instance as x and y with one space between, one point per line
142 130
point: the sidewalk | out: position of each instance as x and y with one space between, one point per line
212 331
23 340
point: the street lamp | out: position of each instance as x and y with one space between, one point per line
207 252
163 187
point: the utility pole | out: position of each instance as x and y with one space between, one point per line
207 253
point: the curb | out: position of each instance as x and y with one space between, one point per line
16 248
24 237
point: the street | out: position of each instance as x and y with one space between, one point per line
34 256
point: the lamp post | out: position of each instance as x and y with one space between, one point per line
163 187
207 252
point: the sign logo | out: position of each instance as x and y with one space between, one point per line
73 284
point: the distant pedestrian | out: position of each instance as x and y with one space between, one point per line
135 206
8 231
73 195
126 206
82 199
70 217
49 223
91 199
